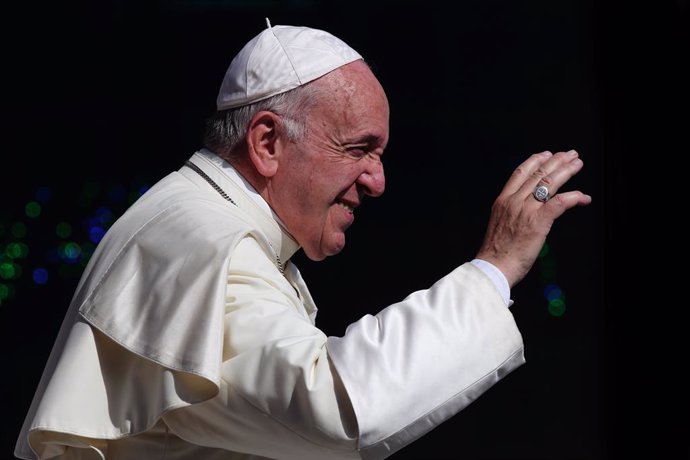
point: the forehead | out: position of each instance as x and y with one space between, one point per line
353 103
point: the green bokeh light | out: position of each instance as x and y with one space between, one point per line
544 250
8 270
13 250
33 209
557 307
17 250
18 229
70 251
7 292
63 230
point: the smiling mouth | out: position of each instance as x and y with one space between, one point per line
349 208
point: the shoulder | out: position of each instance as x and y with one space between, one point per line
177 207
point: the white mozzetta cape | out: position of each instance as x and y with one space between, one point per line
185 341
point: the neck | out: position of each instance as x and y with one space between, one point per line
247 170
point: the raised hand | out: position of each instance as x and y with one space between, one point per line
525 210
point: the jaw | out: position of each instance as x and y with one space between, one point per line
331 239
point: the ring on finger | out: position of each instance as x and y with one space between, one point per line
541 193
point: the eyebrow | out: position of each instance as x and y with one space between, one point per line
368 139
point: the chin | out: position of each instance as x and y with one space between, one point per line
321 253
315 257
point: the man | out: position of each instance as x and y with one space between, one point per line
192 335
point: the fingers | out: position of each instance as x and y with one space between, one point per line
525 171
552 173
545 168
564 201
519 223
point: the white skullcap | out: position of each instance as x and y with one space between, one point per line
279 59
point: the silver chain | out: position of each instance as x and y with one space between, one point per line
222 193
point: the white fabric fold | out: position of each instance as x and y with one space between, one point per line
150 309
279 397
421 360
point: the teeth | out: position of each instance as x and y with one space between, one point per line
350 209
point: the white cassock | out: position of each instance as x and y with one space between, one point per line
185 341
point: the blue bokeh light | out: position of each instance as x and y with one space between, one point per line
44 194
96 234
40 276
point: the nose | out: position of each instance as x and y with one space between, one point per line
373 180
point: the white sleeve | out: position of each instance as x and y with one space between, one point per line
420 361
497 277
289 392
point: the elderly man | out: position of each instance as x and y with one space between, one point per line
192 335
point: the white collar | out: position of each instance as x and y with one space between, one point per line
237 178
245 196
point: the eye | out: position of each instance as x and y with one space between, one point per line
356 152
366 147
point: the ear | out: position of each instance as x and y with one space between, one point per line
263 142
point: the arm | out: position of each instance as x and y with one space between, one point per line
282 394
422 360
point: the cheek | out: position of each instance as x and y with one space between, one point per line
309 208
314 188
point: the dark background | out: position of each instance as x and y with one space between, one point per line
100 100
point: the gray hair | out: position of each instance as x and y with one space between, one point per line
226 129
